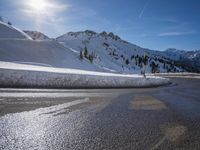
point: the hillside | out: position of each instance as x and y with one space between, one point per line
8 31
82 59
17 46
35 35
189 59
87 50
48 64
113 53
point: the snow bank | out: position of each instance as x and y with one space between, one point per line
20 75
178 75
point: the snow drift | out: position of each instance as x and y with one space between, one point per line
20 75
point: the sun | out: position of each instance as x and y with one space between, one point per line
37 5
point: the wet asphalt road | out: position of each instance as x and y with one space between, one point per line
152 118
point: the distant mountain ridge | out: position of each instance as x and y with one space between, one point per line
182 53
187 58
35 35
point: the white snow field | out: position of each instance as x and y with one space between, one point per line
21 75
45 53
25 62
8 31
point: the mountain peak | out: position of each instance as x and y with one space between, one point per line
87 32
110 34
174 50
93 33
36 35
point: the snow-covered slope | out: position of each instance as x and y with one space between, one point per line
82 50
48 53
182 54
35 35
113 53
47 63
17 46
191 59
174 53
8 31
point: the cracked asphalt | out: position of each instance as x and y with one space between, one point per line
87 119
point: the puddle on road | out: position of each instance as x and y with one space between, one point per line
146 102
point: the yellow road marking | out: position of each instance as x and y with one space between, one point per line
171 134
146 102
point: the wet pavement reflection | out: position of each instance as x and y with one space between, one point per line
156 118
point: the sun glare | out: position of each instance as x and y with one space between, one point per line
37 5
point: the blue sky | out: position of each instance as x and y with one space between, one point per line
154 24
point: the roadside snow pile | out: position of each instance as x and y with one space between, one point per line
20 75
178 75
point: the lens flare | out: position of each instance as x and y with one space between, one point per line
37 5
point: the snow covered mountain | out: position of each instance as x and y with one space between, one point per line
182 54
174 53
35 35
85 50
110 52
187 58
25 62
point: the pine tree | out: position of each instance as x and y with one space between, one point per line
90 57
81 55
145 60
9 23
132 57
85 52
136 61
140 62
127 61
154 67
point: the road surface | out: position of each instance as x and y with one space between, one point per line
151 118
